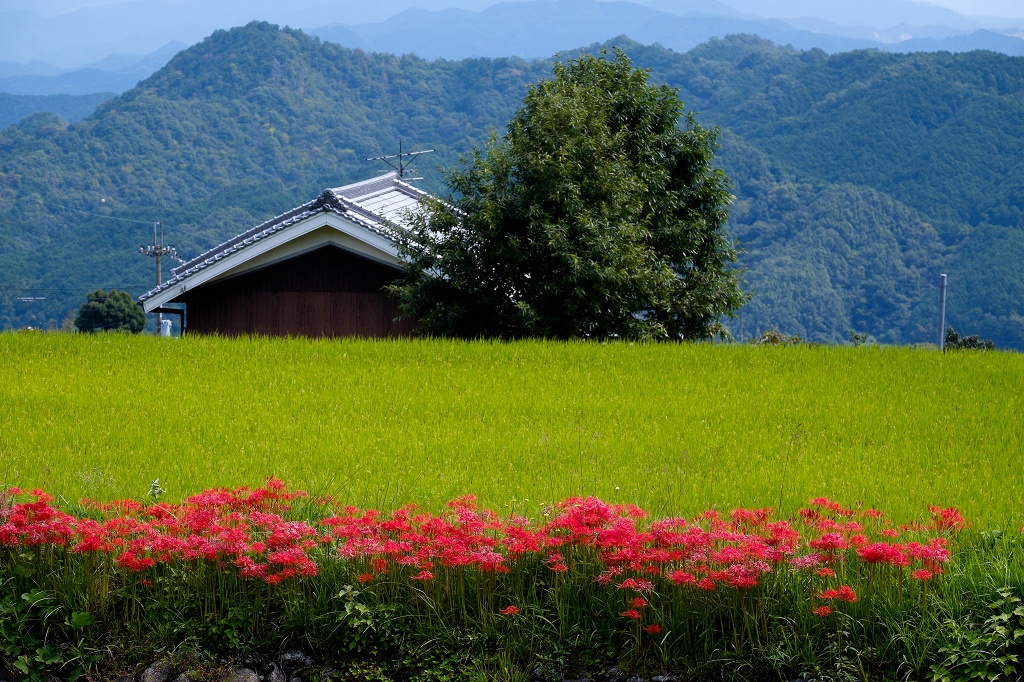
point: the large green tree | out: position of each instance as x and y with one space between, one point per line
110 311
597 215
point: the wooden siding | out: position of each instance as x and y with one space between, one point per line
327 292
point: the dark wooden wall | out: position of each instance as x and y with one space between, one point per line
327 292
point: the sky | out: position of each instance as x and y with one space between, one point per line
1004 8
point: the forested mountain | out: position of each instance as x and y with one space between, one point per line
71 108
859 176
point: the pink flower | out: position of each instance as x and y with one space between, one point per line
509 611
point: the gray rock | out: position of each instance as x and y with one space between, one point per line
275 674
613 672
125 678
296 678
157 672
295 660
184 677
634 678
664 678
243 675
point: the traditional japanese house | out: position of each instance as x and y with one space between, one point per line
317 270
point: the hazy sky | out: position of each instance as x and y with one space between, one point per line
1006 8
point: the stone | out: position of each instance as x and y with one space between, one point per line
243 675
296 678
664 678
613 672
635 678
157 672
184 677
295 660
274 675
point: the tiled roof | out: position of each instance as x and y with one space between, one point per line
379 205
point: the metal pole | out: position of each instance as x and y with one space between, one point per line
942 312
159 249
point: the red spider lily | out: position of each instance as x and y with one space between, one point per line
636 584
829 542
842 593
632 614
946 519
509 611
823 611
652 629
922 575
247 530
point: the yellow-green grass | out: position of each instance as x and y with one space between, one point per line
675 428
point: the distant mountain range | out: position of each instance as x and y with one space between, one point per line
540 28
33 40
859 176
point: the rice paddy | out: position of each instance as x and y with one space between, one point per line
674 428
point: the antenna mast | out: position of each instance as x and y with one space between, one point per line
401 165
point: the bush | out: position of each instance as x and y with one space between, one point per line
954 341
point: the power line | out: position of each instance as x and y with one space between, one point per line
105 217
64 290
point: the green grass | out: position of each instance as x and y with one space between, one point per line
674 428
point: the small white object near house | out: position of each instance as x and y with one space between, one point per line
165 328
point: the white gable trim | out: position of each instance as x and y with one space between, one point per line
320 229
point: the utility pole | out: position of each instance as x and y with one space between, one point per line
402 166
942 312
157 250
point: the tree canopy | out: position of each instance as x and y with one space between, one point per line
110 311
595 216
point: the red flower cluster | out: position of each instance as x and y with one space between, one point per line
226 527
246 529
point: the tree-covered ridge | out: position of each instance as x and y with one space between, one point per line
858 176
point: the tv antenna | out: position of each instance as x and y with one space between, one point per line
401 165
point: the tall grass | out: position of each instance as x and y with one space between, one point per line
831 593
675 428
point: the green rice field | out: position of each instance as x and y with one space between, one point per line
675 428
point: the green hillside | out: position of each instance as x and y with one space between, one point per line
859 177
